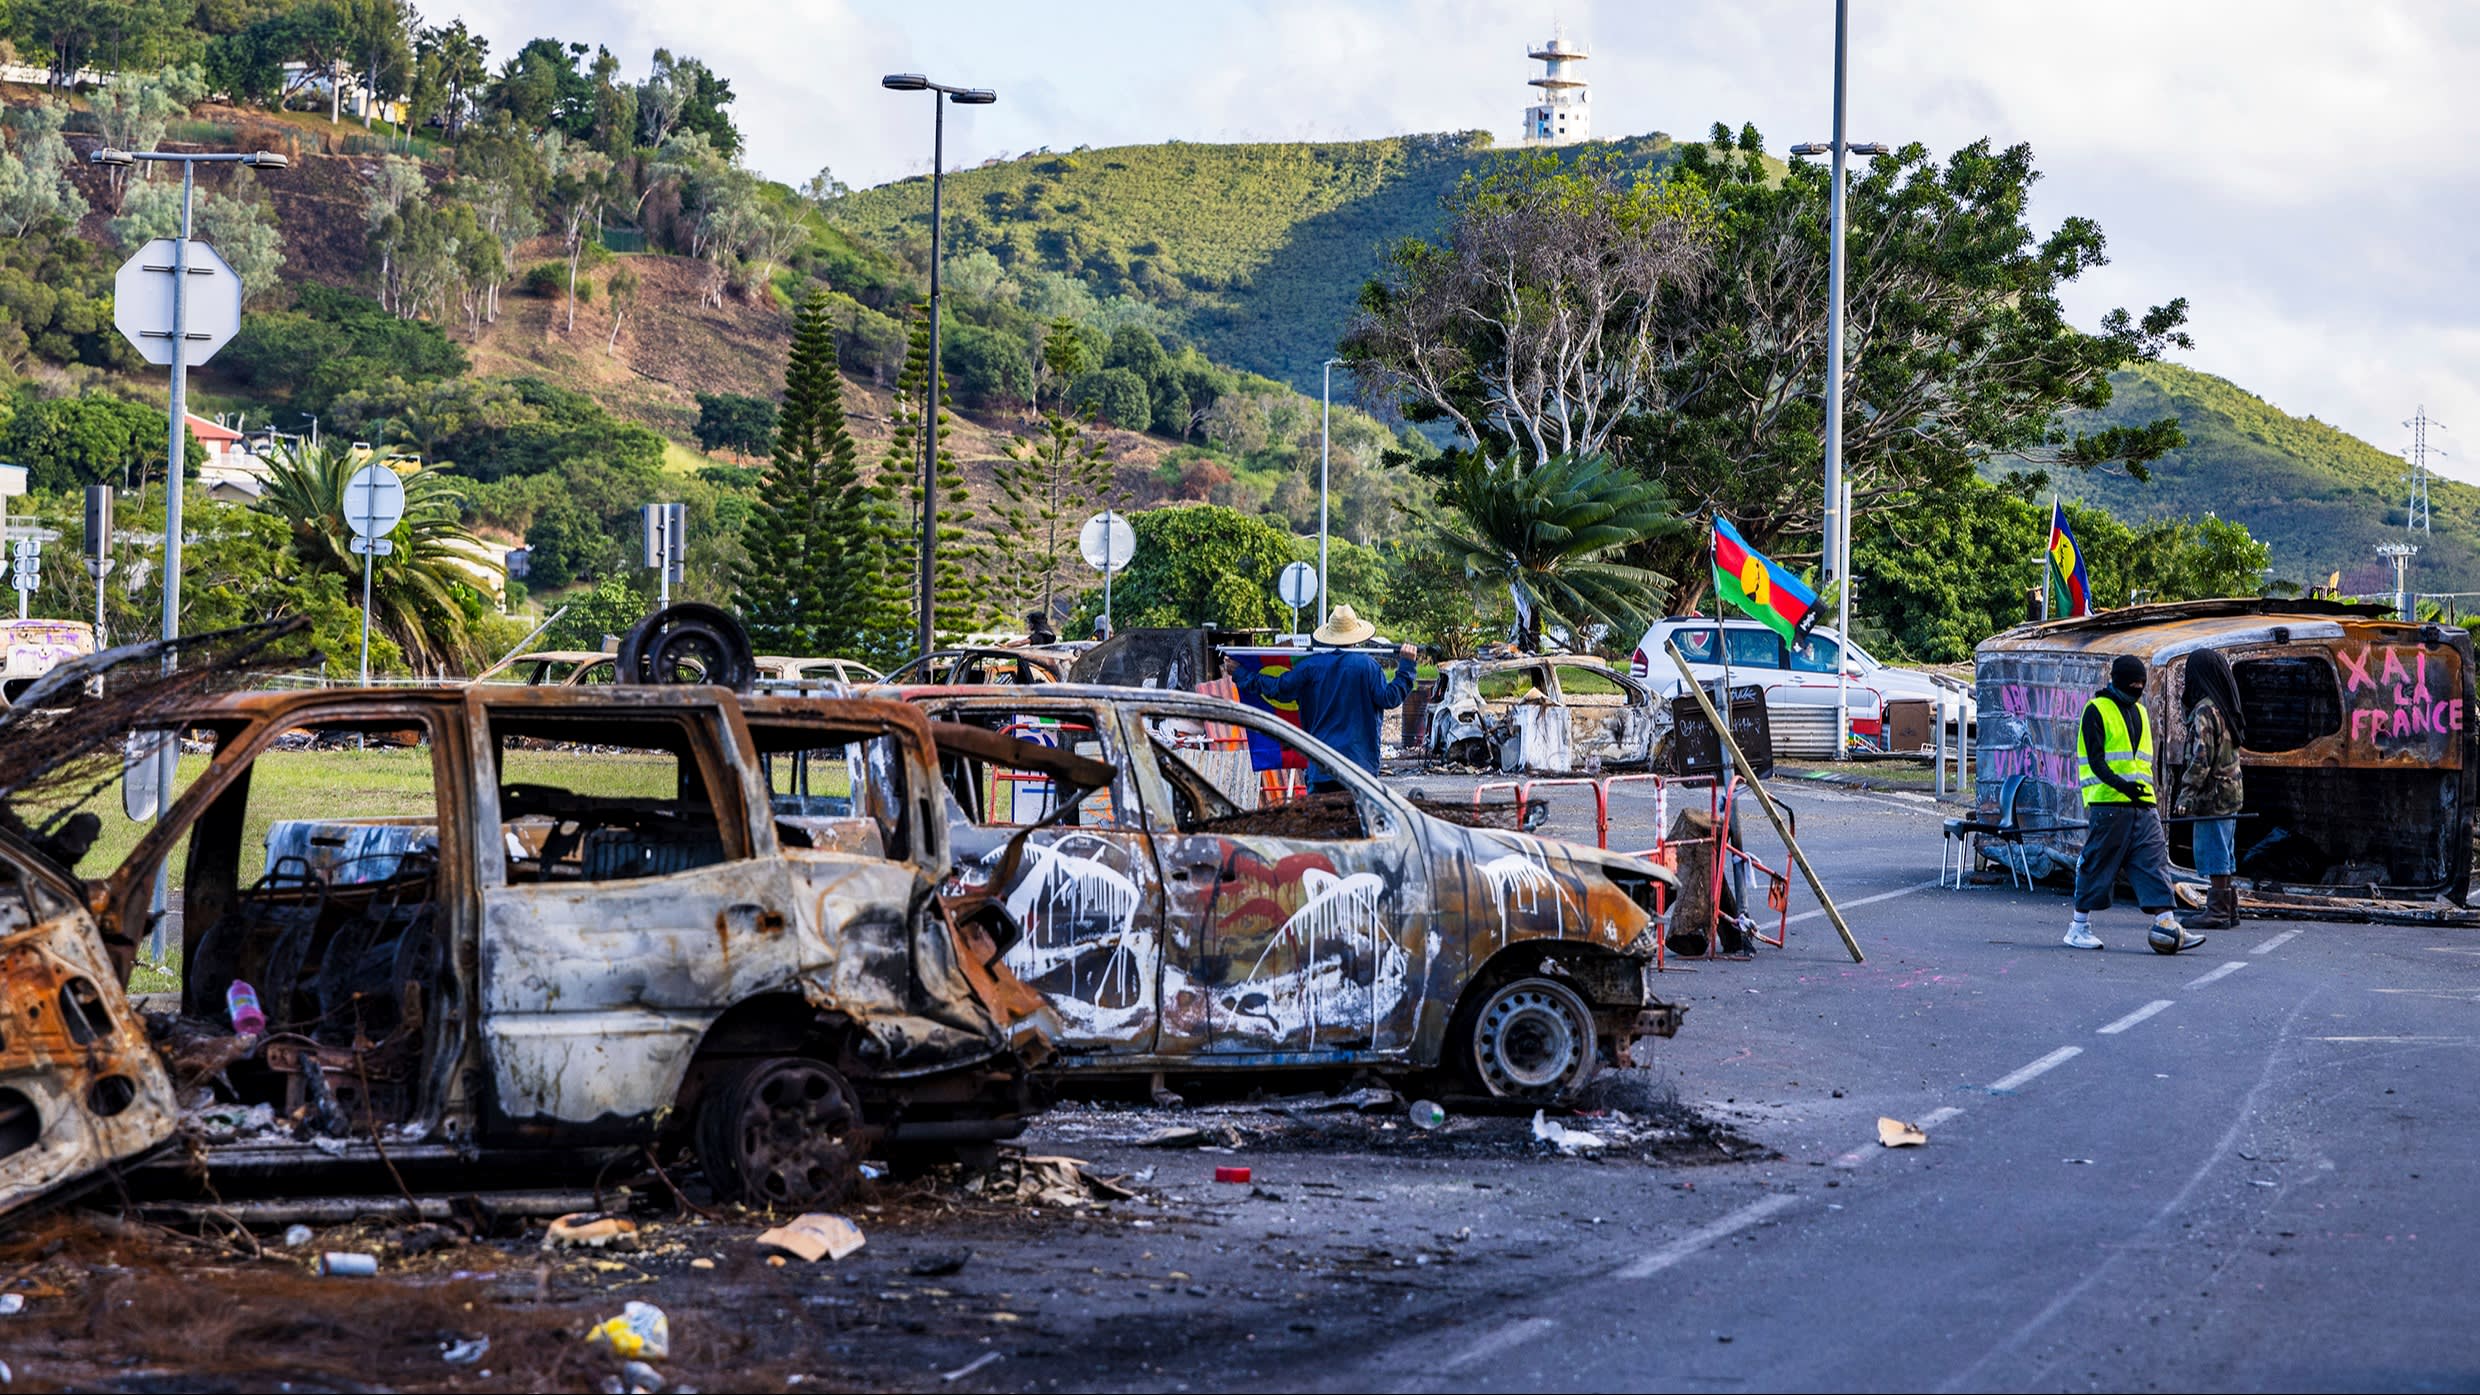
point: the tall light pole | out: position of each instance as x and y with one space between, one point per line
1836 564
1326 420
926 632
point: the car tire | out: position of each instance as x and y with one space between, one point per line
783 1131
1531 1040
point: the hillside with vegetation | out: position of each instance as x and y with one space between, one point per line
1256 253
2320 497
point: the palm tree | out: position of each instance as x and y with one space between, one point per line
419 589
1551 535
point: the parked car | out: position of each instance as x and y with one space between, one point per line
1794 677
621 916
554 668
778 669
952 668
1204 914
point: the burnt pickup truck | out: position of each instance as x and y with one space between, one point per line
524 930
1203 913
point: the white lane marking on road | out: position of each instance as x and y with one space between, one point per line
1936 1117
1687 1245
2049 1062
1864 901
1523 1329
2276 942
2132 1018
2403 1041
2223 972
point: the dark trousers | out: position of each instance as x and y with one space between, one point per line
2123 836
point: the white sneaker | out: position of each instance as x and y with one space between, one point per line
2080 936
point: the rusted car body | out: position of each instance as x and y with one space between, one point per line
1203 914
629 916
2358 763
1544 714
971 667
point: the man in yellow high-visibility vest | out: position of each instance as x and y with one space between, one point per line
2114 763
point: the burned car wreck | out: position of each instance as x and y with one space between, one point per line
1204 913
2357 764
549 927
1548 714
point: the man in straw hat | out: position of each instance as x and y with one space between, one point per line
1340 691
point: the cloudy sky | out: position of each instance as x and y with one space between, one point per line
2307 174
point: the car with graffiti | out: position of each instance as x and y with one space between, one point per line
2357 761
589 922
30 649
1204 913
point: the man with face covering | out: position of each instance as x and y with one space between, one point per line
2114 760
2209 791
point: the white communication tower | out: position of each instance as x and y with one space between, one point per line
1564 115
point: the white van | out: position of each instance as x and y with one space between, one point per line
1801 675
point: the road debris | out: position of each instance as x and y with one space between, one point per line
1894 1133
468 1352
638 1378
1426 1114
297 1235
641 1331
344 1264
1046 1180
1568 1141
11 1304
1231 1174
814 1236
939 1266
590 1230
971 1366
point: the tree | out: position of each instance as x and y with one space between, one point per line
622 288
1199 564
134 112
1535 326
989 367
958 575
733 422
703 97
1116 395
576 193
610 608
419 589
801 586
242 227
1550 535
1063 354
35 188
823 189
66 443
1050 481
457 62
378 37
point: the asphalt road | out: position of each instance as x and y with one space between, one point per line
2242 1167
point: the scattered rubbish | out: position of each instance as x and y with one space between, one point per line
11 1304
1566 1140
1367 1100
774 1261
591 1230
641 1331
873 1171
6 1376
296 1236
815 1236
1426 1114
1039 1180
2077 1162
971 1366
1231 1174
2261 1182
641 1379
465 1353
1894 1133
1183 1138
241 1004
939 1266
342 1264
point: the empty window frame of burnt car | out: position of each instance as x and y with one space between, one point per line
1221 918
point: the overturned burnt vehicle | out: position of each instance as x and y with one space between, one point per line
529 928
2358 759
1204 913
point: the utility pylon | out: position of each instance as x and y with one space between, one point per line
2415 518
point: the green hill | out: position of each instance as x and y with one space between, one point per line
2322 498
1255 252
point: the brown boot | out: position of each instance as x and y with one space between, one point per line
2221 907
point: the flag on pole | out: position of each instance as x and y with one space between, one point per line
2070 591
1758 585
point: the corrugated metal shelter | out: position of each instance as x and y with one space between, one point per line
2359 764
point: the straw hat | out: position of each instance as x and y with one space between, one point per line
1343 628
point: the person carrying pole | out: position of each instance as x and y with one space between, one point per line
2114 763
2209 791
1341 691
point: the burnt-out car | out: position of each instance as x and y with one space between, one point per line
532 929
1204 913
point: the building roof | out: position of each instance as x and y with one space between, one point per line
207 432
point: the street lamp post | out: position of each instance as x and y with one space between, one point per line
1836 564
175 451
926 631
1326 419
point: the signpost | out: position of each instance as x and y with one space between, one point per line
1107 542
667 546
99 548
27 571
374 503
1298 586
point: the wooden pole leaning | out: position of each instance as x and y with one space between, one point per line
1765 801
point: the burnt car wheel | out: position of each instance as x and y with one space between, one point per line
783 1132
1532 1040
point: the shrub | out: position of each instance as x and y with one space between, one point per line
1117 395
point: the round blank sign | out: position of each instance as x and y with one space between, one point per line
374 500
1107 542
1298 584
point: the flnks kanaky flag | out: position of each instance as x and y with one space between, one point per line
2070 591
1758 585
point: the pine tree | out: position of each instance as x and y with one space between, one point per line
795 591
1048 483
963 554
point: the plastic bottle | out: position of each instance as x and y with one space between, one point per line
241 1003
1426 1114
